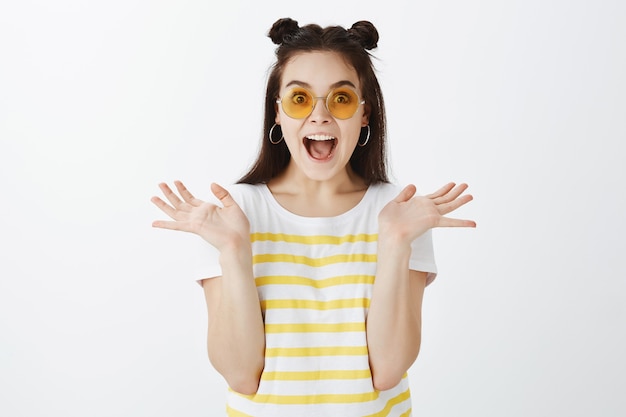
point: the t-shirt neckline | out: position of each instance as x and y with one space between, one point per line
349 214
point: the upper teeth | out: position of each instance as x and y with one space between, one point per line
320 137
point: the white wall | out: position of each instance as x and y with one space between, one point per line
100 101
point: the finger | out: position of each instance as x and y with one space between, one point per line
442 191
451 195
167 209
163 224
186 194
222 194
169 194
449 222
406 194
455 204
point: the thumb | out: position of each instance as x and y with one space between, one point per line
222 194
406 194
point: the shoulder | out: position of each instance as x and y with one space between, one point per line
245 193
383 192
385 189
389 189
253 199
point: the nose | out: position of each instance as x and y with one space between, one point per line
320 113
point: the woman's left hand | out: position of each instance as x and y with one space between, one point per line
407 216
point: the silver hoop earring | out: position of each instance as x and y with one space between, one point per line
271 134
367 138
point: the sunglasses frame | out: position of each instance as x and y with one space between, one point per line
314 99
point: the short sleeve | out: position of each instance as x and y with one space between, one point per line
422 252
207 257
423 256
206 263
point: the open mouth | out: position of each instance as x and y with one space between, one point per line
320 147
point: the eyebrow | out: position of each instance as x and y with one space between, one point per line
334 85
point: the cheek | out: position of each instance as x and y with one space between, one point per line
354 129
291 128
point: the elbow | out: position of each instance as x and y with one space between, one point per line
244 385
241 378
386 381
389 373
244 381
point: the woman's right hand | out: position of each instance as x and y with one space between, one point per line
223 227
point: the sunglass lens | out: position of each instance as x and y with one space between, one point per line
342 103
298 103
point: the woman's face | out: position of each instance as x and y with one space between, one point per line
320 144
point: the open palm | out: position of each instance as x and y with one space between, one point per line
220 226
407 216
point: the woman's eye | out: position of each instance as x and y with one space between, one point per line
342 98
299 98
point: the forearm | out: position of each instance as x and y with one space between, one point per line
394 317
236 336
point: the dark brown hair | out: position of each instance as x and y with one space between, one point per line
353 44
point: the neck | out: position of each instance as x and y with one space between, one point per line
304 196
295 182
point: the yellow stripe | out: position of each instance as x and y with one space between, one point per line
231 412
316 305
313 240
391 403
322 283
316 262
317 351
407 413
316 375
315 327
313 399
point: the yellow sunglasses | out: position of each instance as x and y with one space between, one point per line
342 102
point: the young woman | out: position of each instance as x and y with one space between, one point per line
314 301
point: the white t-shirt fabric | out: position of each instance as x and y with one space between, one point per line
314 277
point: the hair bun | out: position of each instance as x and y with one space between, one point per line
365 33
282 30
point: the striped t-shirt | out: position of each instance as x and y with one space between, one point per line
314 277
